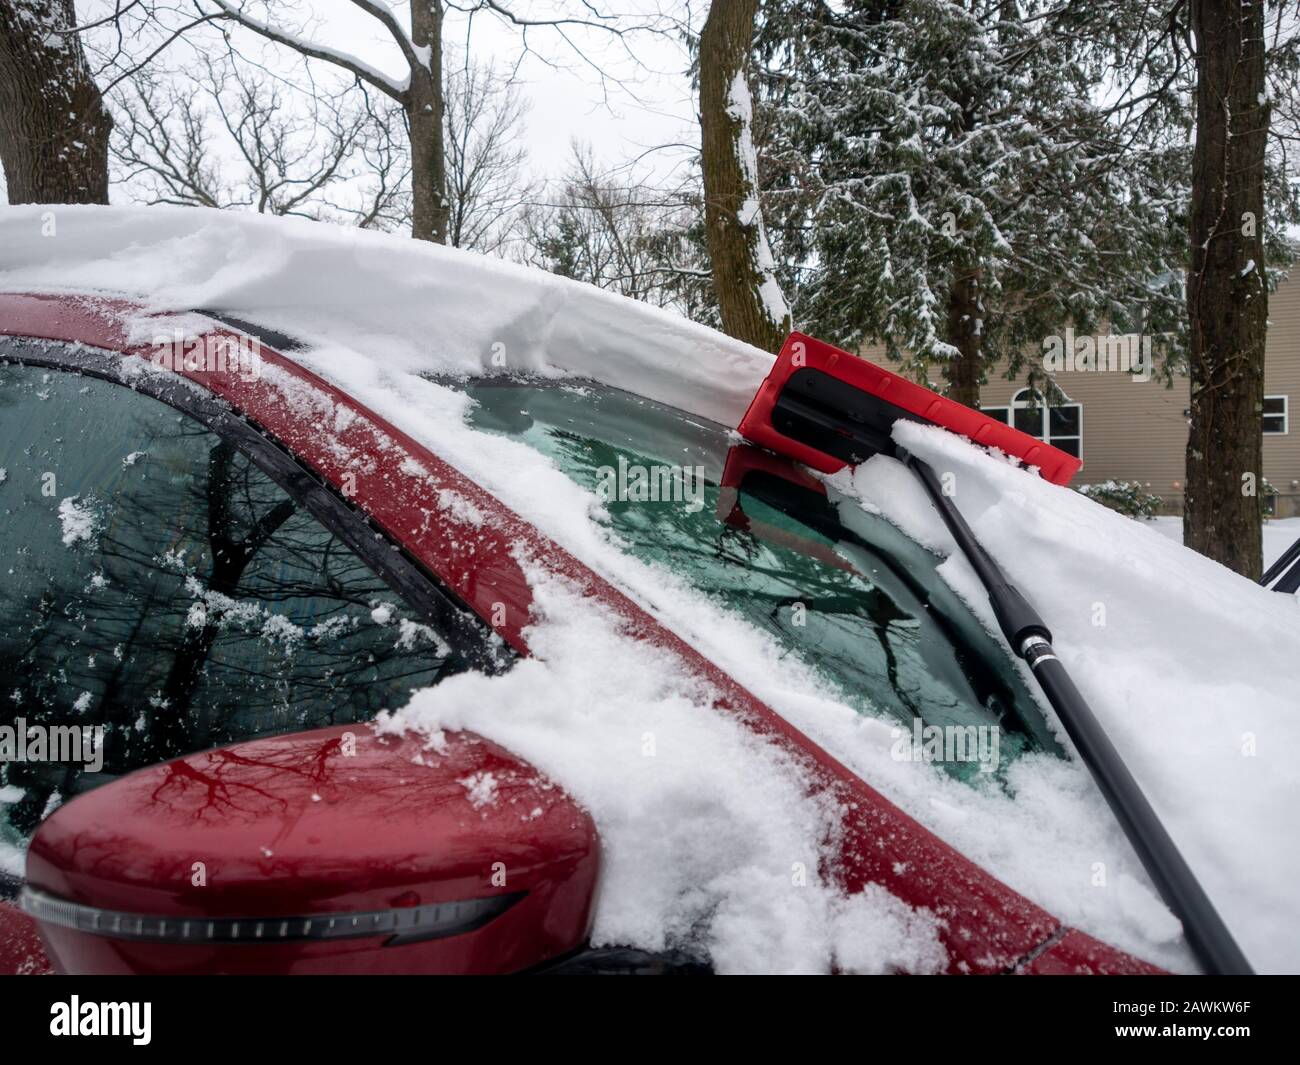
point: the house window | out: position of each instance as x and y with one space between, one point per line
1275 414
1061 426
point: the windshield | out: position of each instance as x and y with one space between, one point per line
841 589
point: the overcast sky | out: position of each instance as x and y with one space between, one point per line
646 101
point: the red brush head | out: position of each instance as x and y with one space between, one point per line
828 408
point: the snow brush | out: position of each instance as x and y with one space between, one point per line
829 409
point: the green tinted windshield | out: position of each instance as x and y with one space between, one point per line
841 589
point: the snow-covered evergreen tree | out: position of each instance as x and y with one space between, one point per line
959 191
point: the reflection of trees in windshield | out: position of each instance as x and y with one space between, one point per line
880 644
879 611
201 608
848 628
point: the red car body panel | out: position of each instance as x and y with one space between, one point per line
284 809
1077 954
985 926
21 951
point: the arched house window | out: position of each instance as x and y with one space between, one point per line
1061 425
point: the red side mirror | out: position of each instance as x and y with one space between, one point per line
318 852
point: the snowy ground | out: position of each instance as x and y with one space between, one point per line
1192 669
1278 535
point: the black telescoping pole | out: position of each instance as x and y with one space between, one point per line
1206 933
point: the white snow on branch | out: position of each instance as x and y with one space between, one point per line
394 87
740 107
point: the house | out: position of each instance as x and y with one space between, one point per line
1130 426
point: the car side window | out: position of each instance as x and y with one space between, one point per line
157 585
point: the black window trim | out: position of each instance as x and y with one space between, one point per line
1284 414
465 632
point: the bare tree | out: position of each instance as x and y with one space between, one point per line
744 273
486 184
54 127
230 136
1227 295
386 161
619 234
419 92
225 137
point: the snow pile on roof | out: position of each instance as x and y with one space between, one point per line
411 304
1194 670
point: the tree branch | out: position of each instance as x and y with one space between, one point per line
367 73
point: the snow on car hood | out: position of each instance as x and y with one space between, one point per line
1193 670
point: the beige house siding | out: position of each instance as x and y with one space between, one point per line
1282 377
1137 430
1132 430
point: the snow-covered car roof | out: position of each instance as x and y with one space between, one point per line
1193 670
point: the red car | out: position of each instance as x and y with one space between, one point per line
264 564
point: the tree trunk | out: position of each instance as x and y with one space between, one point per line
424 112
1227 300
965 313
53 124
744 276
